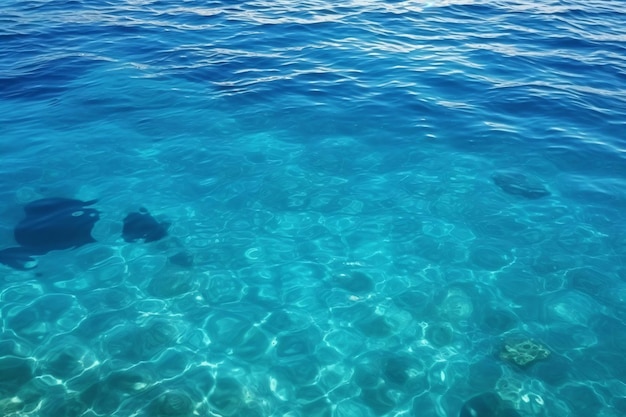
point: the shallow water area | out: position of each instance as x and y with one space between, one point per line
402 208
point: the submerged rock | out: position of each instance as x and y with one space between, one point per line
488 404
174 404
142 226
440 334
523 352
523 185
50 224
184 259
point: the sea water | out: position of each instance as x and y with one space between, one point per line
376 208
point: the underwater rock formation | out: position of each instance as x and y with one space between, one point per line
440 334
523 185
523 352
488 404
172 403
142 226
184 259
50 224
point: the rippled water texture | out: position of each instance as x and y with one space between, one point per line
390 208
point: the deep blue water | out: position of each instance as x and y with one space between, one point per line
374 208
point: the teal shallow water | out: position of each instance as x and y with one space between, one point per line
370 205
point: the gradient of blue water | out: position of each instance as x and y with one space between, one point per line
330 169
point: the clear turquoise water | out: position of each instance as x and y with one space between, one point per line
352 182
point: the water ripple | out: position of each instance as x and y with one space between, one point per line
328 169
